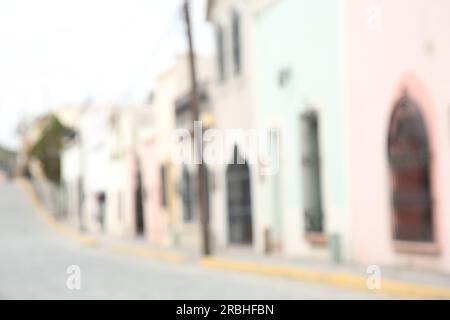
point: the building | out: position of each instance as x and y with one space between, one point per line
94 132
359 98
300 93
398 102
171 206
185 174
239 215
125 214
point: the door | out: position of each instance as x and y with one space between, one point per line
409 160
239 202
101 201
139 204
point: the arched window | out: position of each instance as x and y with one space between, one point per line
409 160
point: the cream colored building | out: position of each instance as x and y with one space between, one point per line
165 206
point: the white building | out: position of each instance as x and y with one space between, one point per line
234 203
125 191
94 131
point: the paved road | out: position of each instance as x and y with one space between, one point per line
34 260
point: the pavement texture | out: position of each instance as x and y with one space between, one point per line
34 260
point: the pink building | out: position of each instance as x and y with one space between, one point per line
398 98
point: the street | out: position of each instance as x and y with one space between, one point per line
34 260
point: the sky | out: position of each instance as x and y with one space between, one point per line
56 53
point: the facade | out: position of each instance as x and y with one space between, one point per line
300 92
125 193
100 170
185 174
359 101
170 187
157 167
397 97
235 220
94 131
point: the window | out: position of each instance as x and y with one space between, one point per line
101 207
220 54
409 160
312 196
186 192
236 29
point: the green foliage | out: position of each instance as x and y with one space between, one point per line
48 148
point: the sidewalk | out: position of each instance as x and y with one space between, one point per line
395 282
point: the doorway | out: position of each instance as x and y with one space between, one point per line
139 204
409 161
239 201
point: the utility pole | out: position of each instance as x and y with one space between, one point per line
195 111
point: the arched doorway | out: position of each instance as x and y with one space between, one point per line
239 201
409 160
139 203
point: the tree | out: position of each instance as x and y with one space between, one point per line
47 149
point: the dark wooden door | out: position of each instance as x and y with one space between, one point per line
409 159
139 204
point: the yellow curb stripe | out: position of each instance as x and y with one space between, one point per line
392 288
131 250
50 221
145 252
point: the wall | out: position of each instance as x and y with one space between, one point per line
301 40
71 175
403 44
94 132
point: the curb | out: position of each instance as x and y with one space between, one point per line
91 241
51 222
341 280
144 252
